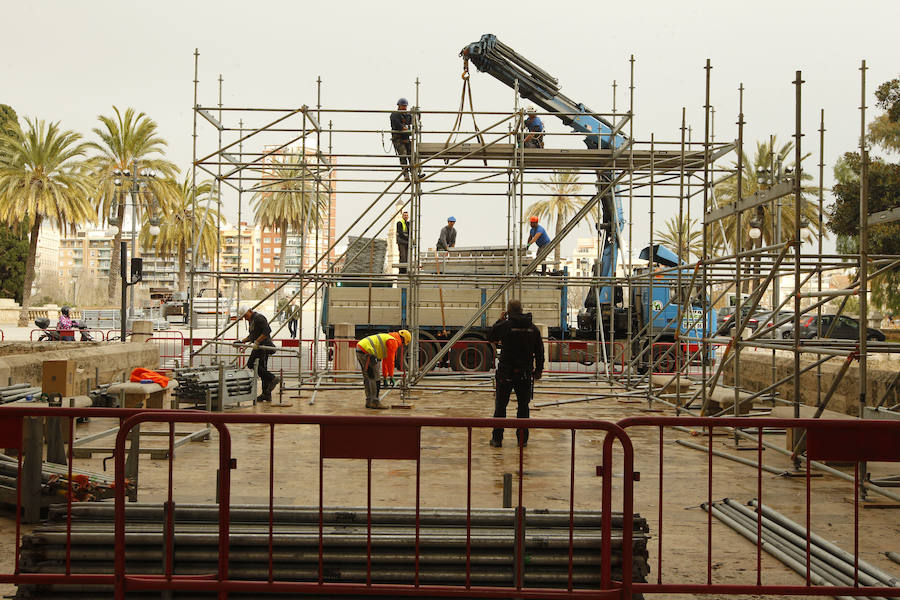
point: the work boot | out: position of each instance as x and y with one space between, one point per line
263 398
376 404
495 443
273 384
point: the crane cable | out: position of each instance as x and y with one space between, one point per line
457 125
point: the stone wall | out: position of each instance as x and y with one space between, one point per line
756 373
22 362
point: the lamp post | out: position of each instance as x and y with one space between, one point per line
136 182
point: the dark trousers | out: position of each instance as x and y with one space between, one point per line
260 359
506 383
369 365
292 327
404 254
403 148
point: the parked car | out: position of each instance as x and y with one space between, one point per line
785 317
846 328
727 325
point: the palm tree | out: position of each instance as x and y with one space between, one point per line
290 199
561 205
689 236
43 177
756 177
180 228
128 141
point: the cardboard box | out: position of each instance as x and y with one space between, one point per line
58 377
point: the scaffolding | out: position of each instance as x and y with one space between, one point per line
339 152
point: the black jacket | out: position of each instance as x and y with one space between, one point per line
401 124
522 349
259 325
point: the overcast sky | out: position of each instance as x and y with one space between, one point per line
70 61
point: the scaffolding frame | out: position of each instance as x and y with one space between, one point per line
492 162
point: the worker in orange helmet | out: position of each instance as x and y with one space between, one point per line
537 235
372 349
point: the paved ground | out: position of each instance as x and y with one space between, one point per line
546 479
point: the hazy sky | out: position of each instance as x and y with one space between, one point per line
70 61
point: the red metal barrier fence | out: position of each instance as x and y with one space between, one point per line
407 445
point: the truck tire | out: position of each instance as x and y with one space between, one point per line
472 354
664 359
427 350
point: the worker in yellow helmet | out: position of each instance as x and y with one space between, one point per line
379 347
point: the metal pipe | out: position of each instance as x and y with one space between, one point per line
738 459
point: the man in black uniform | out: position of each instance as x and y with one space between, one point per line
401 125
521 362
260 335
403 240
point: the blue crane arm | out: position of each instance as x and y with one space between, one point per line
491 56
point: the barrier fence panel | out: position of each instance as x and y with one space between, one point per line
171 348
451 541
755 525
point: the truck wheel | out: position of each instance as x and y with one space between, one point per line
472 355
664 360
427 350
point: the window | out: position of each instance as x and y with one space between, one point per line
848 322
267 250
267 240
266 260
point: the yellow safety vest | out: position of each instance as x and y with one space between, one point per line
376 345
405 228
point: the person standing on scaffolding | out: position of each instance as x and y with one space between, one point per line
260 337
447 238
380 347
535 136
403 240
521 363
401 127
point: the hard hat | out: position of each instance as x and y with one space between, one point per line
530 110
64 310
451 219
243 310
533 219
406 336
402 102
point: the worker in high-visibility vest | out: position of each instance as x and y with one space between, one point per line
379 347
403 240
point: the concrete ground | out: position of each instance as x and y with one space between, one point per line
545 483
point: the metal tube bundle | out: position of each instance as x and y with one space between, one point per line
442 542
786 540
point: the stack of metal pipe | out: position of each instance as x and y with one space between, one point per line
442 543
18 391
786 540
195 383
86 486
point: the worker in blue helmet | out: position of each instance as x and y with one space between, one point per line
447 239
401 127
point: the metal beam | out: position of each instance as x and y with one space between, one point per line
885 216
785 188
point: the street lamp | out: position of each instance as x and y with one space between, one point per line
139 180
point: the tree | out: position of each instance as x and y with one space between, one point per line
843 219
563 186
9 129
128 140
689 234
290 199
179 226
885 129
767 155
13 256
43 178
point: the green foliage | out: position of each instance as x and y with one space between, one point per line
888 95
13 254
843 219
690 234
758 174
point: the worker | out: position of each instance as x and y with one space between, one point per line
521 363
537 235
535 136
447 239
260 338
65 326
401 125
403 240
379 347
291 313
